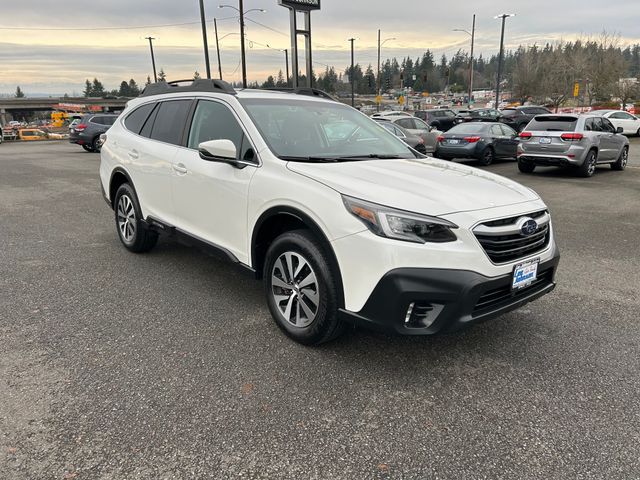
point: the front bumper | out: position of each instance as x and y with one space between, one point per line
457 298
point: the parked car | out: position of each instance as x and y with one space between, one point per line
413 141
391 113
31 134
483 141
87 132
359 229
578 141
630 124
418 127
518 117
439 118
479 115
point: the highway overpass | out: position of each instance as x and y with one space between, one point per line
26 108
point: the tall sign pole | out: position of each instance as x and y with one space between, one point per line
306 7
204 40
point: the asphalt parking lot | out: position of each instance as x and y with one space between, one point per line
168 365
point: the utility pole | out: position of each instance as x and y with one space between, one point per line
244 60
153 60
504 16
286 62
473 36
215 27
379 84
351 76
204 40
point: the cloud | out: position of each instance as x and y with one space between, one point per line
54 61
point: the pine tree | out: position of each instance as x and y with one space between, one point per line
148 82
88 90
19 92
134 90
281 82
97 89
124 89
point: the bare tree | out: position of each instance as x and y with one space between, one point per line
627 89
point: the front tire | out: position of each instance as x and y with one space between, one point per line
134 233
588 167
96 145
621 163
88 148
302 288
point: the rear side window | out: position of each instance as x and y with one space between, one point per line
550 123
109 120
170 121
98 120
135 120
509 113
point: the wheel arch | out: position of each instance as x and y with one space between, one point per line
119 176
278 220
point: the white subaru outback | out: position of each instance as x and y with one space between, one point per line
342 221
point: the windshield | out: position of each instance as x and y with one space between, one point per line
293 127
468 128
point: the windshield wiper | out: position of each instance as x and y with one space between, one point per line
380 156
290 158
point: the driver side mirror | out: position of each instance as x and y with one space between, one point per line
619 130
220 151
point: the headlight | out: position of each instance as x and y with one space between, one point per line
400 225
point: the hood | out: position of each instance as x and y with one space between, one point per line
426 186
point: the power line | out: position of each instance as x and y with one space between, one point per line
132 27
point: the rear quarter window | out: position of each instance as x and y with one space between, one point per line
135 120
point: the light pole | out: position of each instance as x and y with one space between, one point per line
215 25
380 44
351 75
504 16
473 35
153 59
286 60
204 40
241 12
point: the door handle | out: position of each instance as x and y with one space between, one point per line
180 168
133 154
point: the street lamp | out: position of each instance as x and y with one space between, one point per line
241 12
286 59
351 75
215 25
380 44
472 34
504 16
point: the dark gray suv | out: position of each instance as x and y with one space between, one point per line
87 132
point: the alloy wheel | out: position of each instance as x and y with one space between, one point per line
295 289
591 168
126 218
625 158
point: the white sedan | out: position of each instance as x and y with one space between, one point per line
630 123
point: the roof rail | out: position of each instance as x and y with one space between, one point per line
312 92
199 85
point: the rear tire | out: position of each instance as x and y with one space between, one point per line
95 145
588 167
302 288
133 232
487 157
526 167
621 163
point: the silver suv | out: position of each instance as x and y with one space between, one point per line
565 140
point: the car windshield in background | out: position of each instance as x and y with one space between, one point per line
299 129
552 124
509 112
464 128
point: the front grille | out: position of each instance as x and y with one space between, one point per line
503 241
503 296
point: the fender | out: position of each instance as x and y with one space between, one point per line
310 224
127 176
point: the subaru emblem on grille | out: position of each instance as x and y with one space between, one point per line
528 226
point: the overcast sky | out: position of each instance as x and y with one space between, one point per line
58 61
